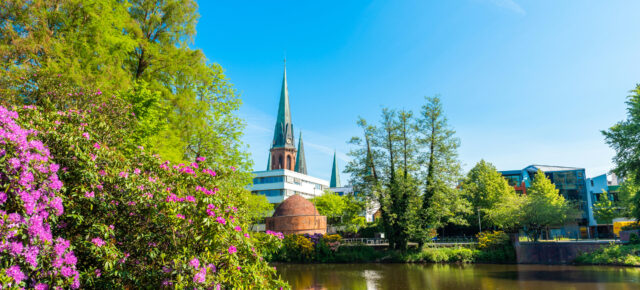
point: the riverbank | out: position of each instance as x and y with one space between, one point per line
619 255
328 249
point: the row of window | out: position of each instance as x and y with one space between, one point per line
270 179
289 179
271 192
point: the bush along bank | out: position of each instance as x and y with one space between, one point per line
493 247
620 255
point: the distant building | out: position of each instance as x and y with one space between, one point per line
595 187
280 184
572 185
286 172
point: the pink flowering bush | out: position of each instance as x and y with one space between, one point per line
30 203
132 219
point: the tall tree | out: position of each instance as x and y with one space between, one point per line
624 138
441 202
484 187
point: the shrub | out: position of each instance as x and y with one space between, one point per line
613 254
30 204
134 221
495 247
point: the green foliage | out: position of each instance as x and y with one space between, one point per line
495 247
138 49
629 198
544 207
154 217
308 248
604 210
258 207
623 138
342 211
627 255
484 187
408 166
507 214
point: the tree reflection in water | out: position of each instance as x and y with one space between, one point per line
453 277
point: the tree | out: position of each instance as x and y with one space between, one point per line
345 210
441 202
624 138
484 187
508 213
258 207
629 198
114 46
544 207
605 210
331 205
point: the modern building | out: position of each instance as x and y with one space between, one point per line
286 172
571 183
595 187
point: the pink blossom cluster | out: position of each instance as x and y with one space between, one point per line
207 191
278 235
27 204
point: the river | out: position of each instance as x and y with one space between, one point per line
454 277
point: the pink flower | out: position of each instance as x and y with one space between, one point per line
98 273
200 159
190 198
89 194
238 229
124 174
98 242
233 168
15 273
221 220
246 235
194 263
200 276
232 249
85 135
96 145
180 216
136 171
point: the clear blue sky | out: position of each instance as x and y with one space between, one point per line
522 82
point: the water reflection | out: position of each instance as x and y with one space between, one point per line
466 277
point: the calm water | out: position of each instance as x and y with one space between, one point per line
465 277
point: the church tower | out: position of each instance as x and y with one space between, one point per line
283 151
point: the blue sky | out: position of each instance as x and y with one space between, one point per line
522 82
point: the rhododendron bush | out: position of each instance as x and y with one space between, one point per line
77 209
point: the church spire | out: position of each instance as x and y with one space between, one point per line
269 162
335 173
283 133
301 162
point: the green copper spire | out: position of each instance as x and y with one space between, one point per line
335 173
269 162
283 133
301 162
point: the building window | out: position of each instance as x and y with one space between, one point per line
289 162
269 179
279 162
272 192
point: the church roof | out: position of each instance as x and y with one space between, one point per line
283 131
301 162
295 205
335 173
